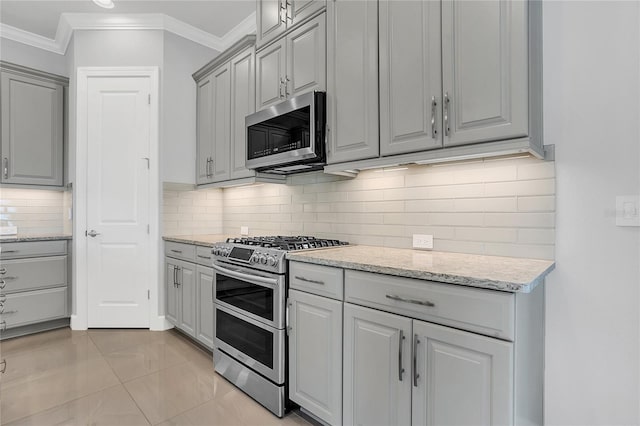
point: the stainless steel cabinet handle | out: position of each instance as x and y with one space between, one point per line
15 311
281 84
416 341
283 8
434 130
400 342
307 280
178 281
3 270
413 301
93 233
5 169
289 13
3 299
8 251
3 284
286 85
175 275
204 257
4 366
176 251
447 101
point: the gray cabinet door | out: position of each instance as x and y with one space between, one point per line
243 102
299 10
377 369
307 58
205 295
172 305
410 81
32 115
315 355
271 20
221 121
462 378
352 80
204 131
485 72
270 73
187 288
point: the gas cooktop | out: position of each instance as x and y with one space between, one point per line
287 243
266 253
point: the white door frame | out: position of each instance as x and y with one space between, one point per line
80 302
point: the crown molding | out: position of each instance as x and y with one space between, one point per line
70 22
30 39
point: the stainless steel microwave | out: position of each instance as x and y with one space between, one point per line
288 137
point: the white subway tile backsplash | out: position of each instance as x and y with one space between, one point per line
503 206
35 211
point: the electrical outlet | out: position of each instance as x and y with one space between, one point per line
244 230
422 241
627 210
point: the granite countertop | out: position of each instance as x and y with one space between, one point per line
206 240
37 237
491 272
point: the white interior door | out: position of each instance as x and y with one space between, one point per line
118 145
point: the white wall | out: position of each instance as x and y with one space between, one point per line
591 115
181 59
22 54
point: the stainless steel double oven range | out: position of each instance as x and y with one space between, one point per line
250 296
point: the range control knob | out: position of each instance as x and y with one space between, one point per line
216 251
263 259
271 261
253 259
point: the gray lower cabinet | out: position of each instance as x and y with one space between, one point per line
189 290
226 95
293 65
181 295
352 80
34 291
205 298
32 122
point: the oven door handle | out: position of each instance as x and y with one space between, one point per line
245 277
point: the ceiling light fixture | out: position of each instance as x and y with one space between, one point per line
107 4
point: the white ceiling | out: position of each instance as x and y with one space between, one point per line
41 17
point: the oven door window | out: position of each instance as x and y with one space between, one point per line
247 338
249 297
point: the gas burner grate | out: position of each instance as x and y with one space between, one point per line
287 243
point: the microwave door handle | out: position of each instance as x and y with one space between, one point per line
244 277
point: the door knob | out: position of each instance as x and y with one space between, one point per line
92 233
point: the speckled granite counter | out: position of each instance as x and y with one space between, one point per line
206 240
492 272
43 237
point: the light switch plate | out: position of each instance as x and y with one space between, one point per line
627 210
8 230
244 230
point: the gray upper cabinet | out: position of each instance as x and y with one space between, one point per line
271 66
243 94
485 72
221 85
226 95
32 121
204 131
352 80
307 58
293 65
275 17
410 79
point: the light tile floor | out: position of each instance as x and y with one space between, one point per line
120 377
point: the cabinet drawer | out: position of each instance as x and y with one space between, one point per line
180 251
29 274
35 306
317 279
486 312
33 249
204 256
